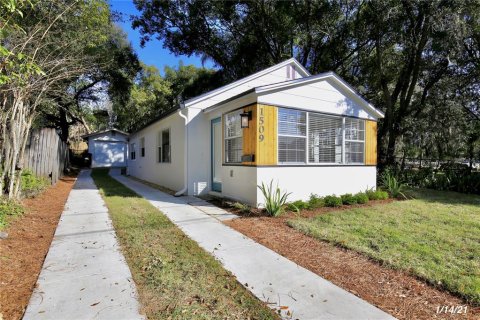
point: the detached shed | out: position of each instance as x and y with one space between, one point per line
108 148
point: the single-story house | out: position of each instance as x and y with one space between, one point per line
108 148
308 134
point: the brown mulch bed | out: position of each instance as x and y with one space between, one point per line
393 291
23 252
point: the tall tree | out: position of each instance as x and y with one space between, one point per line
395 52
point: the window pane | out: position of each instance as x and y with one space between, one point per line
292 122
325 138
233 137
232 124
354 152
233 150
291 149
166 146
354 129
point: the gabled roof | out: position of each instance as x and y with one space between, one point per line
298 67
320 77
304 81
104 131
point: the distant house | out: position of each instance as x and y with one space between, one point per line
108 148
309 134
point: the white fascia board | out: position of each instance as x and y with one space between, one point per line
207 95
320 77
243 99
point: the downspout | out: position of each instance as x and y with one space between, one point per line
185 154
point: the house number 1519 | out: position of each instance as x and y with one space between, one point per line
261 125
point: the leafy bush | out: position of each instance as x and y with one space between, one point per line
32 185
361 198
315 202
274 198
348 199
376 194
297 205
332 201
244 208
8 208
393 186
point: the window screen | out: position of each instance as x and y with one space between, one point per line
292 131
164 154
166 145
142 147
132 151
354 140
324 138
233 137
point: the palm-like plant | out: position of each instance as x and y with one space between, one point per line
274 198
392 185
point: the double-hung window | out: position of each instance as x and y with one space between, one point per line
142 147
292 136
233 137
132 151
324 138
164 154
354 140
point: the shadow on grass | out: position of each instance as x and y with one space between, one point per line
444 197
111 187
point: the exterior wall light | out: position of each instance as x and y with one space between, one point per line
245 118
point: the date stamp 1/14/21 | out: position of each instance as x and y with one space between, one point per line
452 309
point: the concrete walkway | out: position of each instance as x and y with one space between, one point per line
84 275
269 276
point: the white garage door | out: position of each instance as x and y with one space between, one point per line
108 154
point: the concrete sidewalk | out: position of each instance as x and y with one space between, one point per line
269 276
84 275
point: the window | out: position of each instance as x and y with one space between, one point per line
354 140
233 137
324 138
330 139
132 151
142 147
292 136
164 154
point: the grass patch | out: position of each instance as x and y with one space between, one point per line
434 236
176 279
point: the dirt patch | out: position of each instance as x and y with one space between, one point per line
393 291
23 252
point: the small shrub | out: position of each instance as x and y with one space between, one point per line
297 206
332 201
315 202
392 185
244 208
376 194
361 198
8 208
348 199
31 185
274 199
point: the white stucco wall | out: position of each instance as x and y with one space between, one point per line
304 180
240 183
170 175
324 96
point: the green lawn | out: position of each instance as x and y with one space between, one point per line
435 236
176 279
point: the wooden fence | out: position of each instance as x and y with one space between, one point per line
45 154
